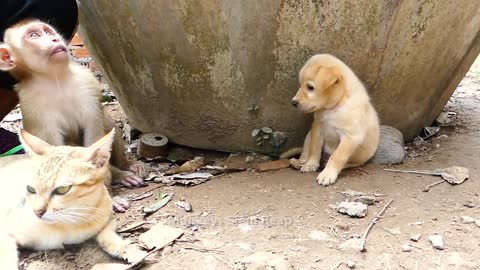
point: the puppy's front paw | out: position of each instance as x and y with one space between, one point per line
296 163
327 177
309 167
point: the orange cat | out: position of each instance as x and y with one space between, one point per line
57 196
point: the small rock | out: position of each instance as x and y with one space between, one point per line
265 260
342 226
245 227
477 222
184 205
249 159
469 204
245 246
406 248
455 261
319 236
351 264
352 244
467 220
415 237
353 209
437 241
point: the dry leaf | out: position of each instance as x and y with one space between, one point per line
189 166
110 266
160 235
133 254
132 227
454 175
164 199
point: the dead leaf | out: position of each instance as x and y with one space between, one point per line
132 227
454 175
141 196
134 254
189 179
110 266
189 166
160 235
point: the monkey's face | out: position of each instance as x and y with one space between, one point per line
34 47
43 46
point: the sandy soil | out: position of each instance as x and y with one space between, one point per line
242 218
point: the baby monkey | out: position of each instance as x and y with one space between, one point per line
60 99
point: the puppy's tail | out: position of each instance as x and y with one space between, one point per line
292 152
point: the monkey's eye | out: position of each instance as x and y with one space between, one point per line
31 190
310 87
62 190
34 35
48 32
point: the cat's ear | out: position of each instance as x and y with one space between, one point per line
32 144
98 153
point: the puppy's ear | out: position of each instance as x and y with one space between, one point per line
329 76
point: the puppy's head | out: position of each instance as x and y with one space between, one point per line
318 80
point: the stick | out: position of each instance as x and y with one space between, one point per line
375 220
427 188
415 172
337 265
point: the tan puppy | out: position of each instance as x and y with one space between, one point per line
345 123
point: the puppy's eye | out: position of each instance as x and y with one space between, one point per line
31 190
62 190
310 87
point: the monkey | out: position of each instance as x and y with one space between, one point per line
60 99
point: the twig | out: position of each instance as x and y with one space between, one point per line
337 265
415 172
427 188
375 220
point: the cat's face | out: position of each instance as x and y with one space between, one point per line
69 181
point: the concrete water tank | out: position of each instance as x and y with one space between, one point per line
206 73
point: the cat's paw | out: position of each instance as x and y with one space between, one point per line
117 248
309 167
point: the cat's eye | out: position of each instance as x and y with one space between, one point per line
62 190
31 190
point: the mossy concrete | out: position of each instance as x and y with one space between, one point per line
193 69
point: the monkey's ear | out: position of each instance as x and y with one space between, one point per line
33 145
7 60
98 153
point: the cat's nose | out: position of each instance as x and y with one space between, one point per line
40 212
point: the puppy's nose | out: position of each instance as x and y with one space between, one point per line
295 103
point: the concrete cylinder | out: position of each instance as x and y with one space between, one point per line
207 73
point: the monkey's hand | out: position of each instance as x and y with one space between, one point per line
128 178
120 204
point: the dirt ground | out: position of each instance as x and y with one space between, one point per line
285 219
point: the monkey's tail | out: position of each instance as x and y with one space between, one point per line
292 152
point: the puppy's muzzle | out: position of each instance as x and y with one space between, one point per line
295 103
